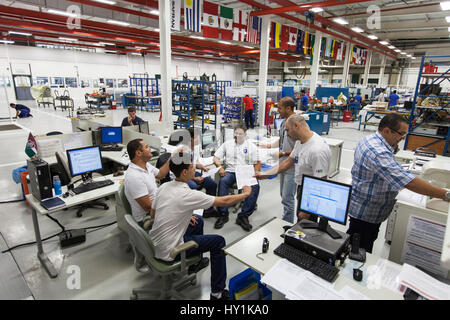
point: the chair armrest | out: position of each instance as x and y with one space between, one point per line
183 247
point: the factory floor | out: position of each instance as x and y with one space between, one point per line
106 268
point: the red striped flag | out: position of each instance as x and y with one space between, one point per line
239 25
284 37
292 44
253 29
210 20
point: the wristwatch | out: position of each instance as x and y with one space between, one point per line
447 196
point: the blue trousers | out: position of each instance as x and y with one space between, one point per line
209 184
224 189
214 244
288 190
249 121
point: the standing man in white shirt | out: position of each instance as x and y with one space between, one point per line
311 156
139 179
236 152
382 96
175 223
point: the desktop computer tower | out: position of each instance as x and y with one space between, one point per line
96 137
40 179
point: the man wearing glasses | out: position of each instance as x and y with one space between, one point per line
377 178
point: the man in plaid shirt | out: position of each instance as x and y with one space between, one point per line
377 178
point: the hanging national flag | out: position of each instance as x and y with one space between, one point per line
175 14
335 49
31 147
253 29
226 23
192 15
275 33
292 44
305 43
239 25
210 20
339 51
328 49
300 41
313 43
284 37
323 47
344 50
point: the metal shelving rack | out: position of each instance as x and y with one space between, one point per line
194 100
417 111
143 89
221 85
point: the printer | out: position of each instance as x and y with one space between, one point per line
437 172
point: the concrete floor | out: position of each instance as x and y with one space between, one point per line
106 269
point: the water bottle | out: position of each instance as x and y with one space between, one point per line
57 185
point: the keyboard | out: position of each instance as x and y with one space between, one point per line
307 262
92 186
111 148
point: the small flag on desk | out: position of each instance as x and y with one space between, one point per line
31 147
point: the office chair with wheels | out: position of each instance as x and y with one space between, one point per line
174 274
53 133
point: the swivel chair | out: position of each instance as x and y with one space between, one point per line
174 274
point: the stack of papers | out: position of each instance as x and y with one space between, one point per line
245 176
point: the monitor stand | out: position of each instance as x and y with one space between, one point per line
322 226
87 178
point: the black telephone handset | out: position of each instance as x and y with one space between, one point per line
357 253
265 245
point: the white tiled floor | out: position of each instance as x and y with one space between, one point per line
106 269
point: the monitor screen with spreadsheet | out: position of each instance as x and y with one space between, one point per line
84 160
328 199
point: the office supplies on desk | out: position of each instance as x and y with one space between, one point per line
357 253
53 203
92 186
357 274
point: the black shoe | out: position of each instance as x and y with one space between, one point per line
225 296
220 222
211 212
243 222
203 263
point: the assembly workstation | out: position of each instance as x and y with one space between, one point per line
311 185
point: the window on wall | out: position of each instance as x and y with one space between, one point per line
122 83
2 81
95 83
111 83
71 83
38 81
85 83
57 82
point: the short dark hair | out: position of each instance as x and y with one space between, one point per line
131 109
180 162
395 91
12 105
132 147
392 121
303 91
287 102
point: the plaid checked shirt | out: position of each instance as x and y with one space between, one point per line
376 180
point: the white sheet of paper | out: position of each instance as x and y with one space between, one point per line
412 197
245 176
198 212
283 276
210 173
387 274
309 289
348 293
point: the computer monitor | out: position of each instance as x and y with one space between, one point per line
207 139
278 123
329 200
84 161
111 135
144 128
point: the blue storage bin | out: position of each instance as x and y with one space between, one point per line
244 279
266 167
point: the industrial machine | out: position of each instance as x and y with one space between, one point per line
43 95
437 172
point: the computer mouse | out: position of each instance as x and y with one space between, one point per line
357 274
286 228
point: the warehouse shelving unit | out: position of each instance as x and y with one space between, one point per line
194 101
431 132
221 85
142 91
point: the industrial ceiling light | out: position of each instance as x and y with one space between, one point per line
106 1
224 42
248 47
391 47
397 50
409 55
62 13
317 9
7 41
106 44
67 39
20 33
197 37
357 29
413 58
340 21
403 53
384 43
119 23
448 19
110 51
445 5
155 12
373 37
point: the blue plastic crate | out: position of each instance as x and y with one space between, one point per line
244 279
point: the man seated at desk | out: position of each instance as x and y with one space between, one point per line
175 223
139 179
238 151
132 119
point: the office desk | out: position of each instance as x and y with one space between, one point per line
246 248
369 114
70 201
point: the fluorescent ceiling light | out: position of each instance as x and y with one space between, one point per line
62 13
448 29
106 43
397 50
340 21
357 29
156 12
141 47
20 33
373 37
317 9
384 42
391 47
445 5
120 23
156 29
209 61
283 53
110 51
404 53
106 1
6 41
413 58
224 42
409 55
197 37
448 19
248 47
67 39
135 54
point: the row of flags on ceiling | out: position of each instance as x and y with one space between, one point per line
220 22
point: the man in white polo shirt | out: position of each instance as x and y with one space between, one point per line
139 179
311 156
236 152
175 223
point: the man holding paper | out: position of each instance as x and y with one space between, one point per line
238 154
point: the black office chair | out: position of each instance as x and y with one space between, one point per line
62 170
53 133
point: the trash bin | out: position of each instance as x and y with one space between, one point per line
347 116
247 286
17 177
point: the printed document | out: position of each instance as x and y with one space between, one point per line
245 176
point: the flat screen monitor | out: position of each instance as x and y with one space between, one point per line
144 128
329 200
278 123
84 160
111 135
